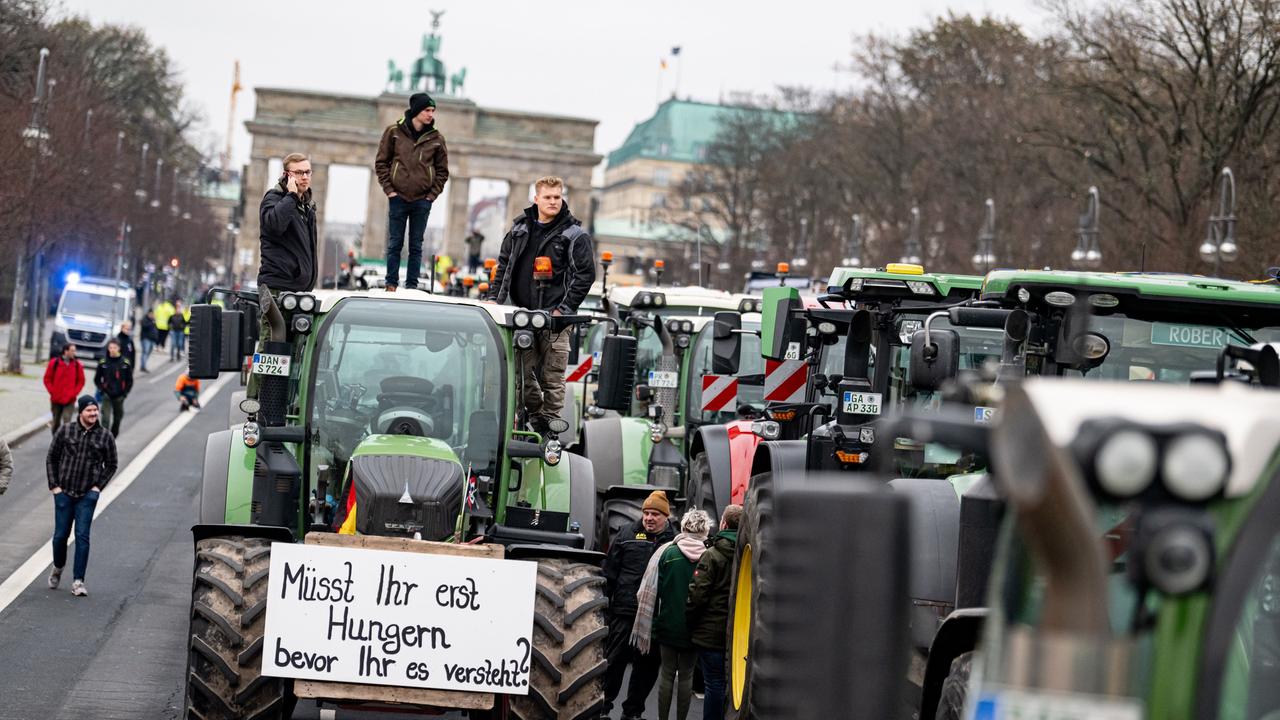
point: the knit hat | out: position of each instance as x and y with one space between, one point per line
419 102
657 500
84 402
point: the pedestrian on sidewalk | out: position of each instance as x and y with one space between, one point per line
114 380
475 246
287 218
187 390
164 313
178 331
127 349
412 166
150 337
6 465
64 379
79 465
707 610
624 568
660 612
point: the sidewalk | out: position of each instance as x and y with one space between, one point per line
24 403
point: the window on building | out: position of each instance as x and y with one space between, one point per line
664 149
662 177
659 200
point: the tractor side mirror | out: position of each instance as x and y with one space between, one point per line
781 328
936 360
726 344
1077 347
617 373
857 350
232 330
204 356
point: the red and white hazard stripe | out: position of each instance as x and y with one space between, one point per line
579 371
784 380
719 392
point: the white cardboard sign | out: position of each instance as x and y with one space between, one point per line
399 618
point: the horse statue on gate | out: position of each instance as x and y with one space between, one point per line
456 82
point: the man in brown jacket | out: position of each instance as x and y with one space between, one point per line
412 167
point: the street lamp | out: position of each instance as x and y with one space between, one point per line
155 196
140 192
985 257
854 258
34 136
173 194
911 251
116 185
1088 253
1220 244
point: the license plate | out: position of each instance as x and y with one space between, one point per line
862 403
664 379
1020 704
984 415
264 364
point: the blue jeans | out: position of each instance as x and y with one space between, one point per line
179 345
68 510
415 214
712 663
147 347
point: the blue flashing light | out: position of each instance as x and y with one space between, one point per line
72 277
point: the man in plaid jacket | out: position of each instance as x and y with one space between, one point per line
81 461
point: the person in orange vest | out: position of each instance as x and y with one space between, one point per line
187 390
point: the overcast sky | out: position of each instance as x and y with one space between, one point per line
590 58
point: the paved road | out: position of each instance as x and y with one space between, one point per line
118 654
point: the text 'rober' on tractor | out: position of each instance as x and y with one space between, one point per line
377 423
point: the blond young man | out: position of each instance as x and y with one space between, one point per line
287 217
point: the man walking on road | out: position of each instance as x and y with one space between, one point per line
624 569
80 462
127 350
412 165
63 378
114 378
546 230
707 610
287 216
178 329
150 337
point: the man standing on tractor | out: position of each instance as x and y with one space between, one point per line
623 571
412 167
80 462
547 231
707 609
287 215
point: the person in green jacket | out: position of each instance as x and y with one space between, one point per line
660 612
707 610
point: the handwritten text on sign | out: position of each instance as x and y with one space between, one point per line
399 618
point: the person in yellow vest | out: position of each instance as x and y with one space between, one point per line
164 311
443 263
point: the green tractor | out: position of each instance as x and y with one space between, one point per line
662 437
388 422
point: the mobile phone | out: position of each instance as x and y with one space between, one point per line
284 179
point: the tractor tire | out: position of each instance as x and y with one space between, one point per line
617 514
569 630
955 689
701 493
228 619
744 635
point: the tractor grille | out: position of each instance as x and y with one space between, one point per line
85 336
399 495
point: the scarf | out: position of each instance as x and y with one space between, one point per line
647 596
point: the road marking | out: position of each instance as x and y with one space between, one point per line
35 565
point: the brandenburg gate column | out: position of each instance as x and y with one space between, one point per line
456 224
375 222
517 201
319 194
255 185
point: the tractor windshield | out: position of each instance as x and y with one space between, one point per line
433 369
1160 351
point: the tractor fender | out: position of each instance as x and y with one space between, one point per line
537 552
958 634
782 458
742 449
571 413
935 538
582 495
213 484
602 445
275 533
729 449
713 440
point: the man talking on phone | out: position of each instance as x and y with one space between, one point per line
287 216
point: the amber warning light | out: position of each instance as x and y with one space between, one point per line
542 268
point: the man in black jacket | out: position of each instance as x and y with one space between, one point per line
287 217
80 462
624 568
546 230
114 378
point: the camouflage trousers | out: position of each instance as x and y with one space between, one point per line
542 370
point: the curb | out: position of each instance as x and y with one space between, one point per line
15 437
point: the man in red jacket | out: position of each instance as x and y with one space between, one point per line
63 378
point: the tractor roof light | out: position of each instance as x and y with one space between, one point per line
855 284
673 326
307 303
921 287
1126 463
783 269
1104 300
1060 298
542 268
1195 466
1024 295
524 339
827 327
520 319
289 301
538 320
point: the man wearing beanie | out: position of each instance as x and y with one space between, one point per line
80 462
624 569
412 166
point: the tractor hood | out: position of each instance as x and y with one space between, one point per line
401 485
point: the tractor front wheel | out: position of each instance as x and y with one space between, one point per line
224 646
617 514
567 661
702 493
745 632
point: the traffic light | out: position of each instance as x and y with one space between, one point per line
173 263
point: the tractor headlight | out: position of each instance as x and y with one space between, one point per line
252 433
1177 558
686 326
1092 346
659 299
302 324
657 431
524 339
1059 298
920 287
1024 295
682 341
1126 463
551 452
767 429
855 285
827 328
538 320
289 302
520 319
673 326
307 303
643 299
1195 466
